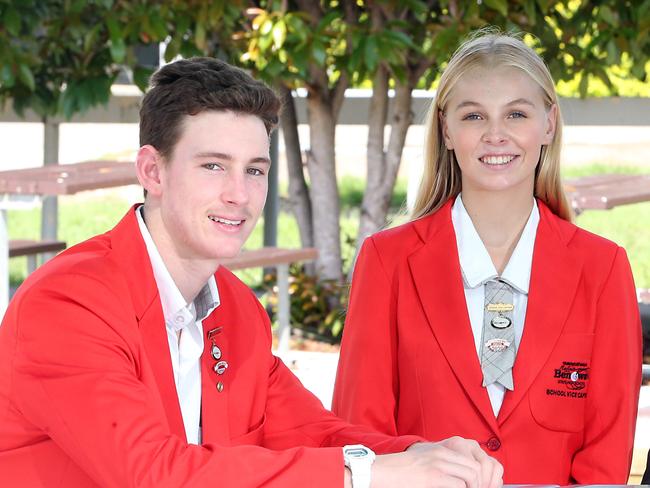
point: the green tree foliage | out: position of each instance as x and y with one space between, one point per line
62 56
575 37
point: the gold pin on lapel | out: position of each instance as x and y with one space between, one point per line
213 332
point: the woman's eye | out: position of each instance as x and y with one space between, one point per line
472 117
517 115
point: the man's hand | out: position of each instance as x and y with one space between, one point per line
454 462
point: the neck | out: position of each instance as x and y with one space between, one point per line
189 275
499 219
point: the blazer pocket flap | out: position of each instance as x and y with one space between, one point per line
251 438
559 393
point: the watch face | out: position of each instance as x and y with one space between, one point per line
356 452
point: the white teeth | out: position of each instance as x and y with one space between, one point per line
497 159
225 221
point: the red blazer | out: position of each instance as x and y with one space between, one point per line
87 394
409 365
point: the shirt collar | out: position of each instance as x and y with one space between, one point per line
475 262
176 311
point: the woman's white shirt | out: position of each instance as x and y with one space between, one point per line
477 268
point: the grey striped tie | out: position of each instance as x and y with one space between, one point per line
498 338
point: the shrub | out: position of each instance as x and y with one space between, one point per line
316 307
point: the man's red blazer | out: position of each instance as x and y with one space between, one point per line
87 395
409 365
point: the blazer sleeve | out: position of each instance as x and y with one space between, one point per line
296 417
615 379
76 378
366 382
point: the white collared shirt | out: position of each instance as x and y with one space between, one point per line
477 268
184 324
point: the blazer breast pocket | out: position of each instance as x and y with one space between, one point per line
253 437
559 394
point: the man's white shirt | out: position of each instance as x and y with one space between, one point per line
184 326
477 268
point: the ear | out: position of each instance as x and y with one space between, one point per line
148 167
551 122
444 130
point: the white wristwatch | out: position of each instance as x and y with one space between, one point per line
359 459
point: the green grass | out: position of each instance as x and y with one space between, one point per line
81 217
628 226
351 192
569 172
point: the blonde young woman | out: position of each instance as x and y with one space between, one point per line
490 315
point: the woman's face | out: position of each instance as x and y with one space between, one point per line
496 123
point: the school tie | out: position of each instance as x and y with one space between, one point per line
498 339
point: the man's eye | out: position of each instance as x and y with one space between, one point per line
211 166
255 172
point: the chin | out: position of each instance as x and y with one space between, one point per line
227 252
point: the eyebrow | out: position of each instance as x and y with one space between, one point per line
518 101
228 157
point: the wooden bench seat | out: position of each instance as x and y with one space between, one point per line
32 249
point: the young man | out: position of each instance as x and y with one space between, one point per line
133 359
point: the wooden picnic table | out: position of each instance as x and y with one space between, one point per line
606 191
67 179
56 179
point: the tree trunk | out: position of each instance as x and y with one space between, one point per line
383 165
324 189
372 215
298 190
400 123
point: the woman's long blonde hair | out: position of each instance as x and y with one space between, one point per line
442 178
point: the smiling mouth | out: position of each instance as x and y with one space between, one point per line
497 160
219 220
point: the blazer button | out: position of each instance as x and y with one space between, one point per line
493 443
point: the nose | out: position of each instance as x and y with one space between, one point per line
494 132
235 191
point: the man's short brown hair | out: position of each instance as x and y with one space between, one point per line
191 86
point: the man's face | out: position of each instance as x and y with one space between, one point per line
213 187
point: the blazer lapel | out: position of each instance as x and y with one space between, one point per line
131 255
214 398
435 268
154 337
554 279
